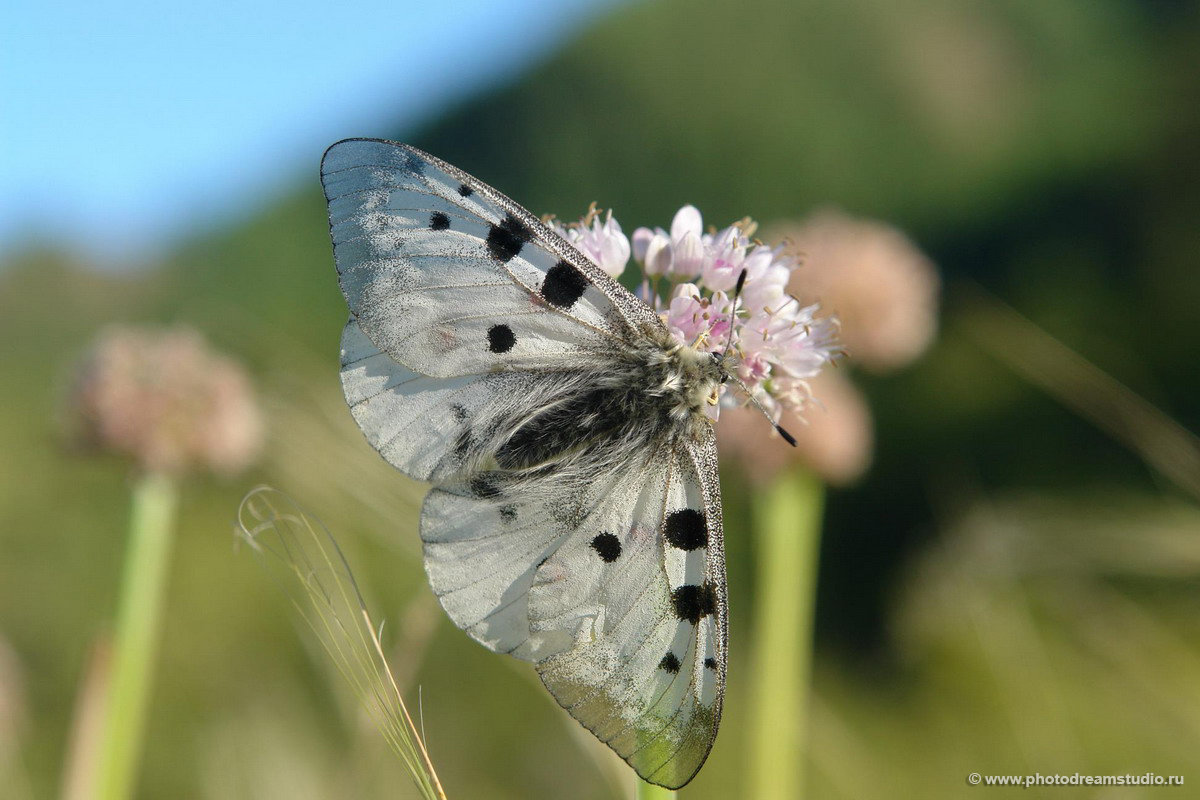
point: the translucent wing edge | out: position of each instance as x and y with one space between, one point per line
703 456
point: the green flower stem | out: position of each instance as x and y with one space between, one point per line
787 539
648 791
135 641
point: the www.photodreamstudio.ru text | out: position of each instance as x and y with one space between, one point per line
1077 779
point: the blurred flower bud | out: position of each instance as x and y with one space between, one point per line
833 439
881 287
165 399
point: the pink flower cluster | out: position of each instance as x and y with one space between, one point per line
167 399
689 275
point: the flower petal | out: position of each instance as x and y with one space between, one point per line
658 255
641 243
687 220
688 255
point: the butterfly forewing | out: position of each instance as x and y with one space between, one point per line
449 283
420 424
475 340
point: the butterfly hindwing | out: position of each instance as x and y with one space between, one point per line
645 593
614 590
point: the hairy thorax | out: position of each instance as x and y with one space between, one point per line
681 380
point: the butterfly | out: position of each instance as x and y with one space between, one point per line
575 515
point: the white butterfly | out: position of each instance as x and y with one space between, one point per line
575 517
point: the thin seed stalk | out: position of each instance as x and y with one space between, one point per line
135 639
787 541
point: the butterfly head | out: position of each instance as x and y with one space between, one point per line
691 379
726 366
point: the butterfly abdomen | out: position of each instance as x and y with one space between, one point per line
589 422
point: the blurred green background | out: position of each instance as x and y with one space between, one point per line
1011 588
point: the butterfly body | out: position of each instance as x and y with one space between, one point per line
657 389
575 518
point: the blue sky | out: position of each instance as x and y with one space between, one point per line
125 124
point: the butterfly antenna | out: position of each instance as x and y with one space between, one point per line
787 437
737 292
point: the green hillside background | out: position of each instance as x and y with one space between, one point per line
1012 588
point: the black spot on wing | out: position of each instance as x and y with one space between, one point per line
669 663
686 529
693 603
711 663
506 239
464 190
460 413
564 284
508 513
608 547
438 221
501 339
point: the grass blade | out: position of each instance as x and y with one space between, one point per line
307 563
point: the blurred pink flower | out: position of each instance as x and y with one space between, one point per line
833 440
882 288
836 438
165 399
